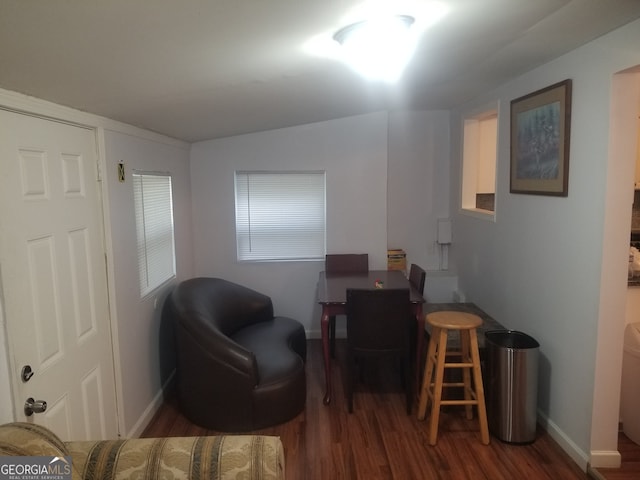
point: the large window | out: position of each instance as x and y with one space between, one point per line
154 228
280 215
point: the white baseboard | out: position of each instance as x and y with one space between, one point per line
605 459
596 458
576 453
151 410
313 334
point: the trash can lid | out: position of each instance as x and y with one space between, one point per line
632 338
511 339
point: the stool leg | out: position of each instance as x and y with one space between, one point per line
477 378
437 389
466 372
428 373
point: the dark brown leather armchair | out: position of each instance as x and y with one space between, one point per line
239 368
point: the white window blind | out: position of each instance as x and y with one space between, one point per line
154 228
280 215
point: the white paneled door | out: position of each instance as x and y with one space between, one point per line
54 282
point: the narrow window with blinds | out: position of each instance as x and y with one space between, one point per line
154 229
280 216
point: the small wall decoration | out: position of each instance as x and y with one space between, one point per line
540 133
121 175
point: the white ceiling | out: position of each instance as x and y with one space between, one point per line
203 69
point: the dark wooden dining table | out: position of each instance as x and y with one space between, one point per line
332 296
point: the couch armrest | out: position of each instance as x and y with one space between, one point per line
30 439
223 457
22 438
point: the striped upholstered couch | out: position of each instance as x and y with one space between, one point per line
223 457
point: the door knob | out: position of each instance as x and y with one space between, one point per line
32 406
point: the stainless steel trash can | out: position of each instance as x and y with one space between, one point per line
512 385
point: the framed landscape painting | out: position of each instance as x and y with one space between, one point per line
540 133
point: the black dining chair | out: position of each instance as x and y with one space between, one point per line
343 263
378 325
417 276
346 263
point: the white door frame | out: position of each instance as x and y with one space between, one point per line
23 104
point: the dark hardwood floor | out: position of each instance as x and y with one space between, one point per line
380 441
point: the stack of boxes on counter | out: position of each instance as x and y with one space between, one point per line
397 260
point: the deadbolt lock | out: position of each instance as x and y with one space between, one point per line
27 373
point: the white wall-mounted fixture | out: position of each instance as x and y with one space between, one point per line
444 240
444 231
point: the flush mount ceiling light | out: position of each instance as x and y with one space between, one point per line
379 48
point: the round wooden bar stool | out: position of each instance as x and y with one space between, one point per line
468 361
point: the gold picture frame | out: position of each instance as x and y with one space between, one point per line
540 137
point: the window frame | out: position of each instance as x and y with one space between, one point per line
474 140
316 236
146 247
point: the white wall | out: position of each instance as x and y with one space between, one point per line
542 266
356 153
632 310
487 155
418 183
146 357
353 152
547 266
367 210
623 111
139 338
418 194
